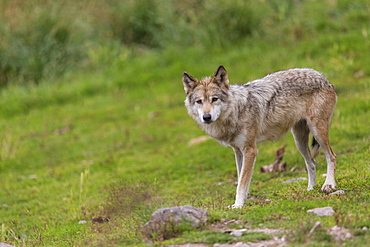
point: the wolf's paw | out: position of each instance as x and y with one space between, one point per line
234 206
326 188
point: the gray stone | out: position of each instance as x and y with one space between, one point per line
340 233
166 223
325 211
275 242
238 244
294 180
337 192
6 245
236 233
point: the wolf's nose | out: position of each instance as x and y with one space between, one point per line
207 117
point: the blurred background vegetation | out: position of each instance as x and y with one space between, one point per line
42 40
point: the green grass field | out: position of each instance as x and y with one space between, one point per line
104 140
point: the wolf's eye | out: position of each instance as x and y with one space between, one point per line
214 99
199 101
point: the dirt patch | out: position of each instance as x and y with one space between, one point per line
227 227
340 234
223 226
126 206
189 245
275 242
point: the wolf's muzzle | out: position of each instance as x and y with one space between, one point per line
207 118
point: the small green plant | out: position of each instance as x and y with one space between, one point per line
9 146
83 188
213 237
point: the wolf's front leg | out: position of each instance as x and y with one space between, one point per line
238 160
245 176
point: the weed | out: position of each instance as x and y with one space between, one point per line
9 147
307 232
82 195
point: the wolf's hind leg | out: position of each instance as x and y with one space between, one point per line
319 129
300 132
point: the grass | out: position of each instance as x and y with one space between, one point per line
108 144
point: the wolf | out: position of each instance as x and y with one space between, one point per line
241 116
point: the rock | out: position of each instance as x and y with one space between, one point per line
166 223
236 233
238 244
337 192
188 245
325 211
6 245
275 242
267 231
340 233
294 180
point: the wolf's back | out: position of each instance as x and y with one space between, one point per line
293 81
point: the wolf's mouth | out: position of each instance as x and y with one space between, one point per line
208 122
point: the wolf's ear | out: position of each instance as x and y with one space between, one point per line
189 82
221 77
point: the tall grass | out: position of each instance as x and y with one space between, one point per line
42 40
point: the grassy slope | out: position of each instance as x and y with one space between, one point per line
67 147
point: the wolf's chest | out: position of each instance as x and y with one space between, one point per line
226 134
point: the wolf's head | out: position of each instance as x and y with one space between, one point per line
207 98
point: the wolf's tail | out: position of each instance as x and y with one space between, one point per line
315 148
